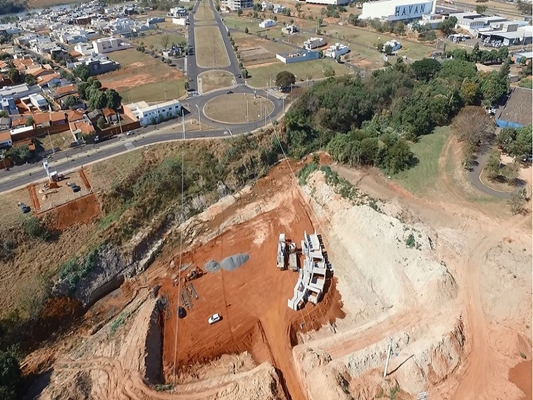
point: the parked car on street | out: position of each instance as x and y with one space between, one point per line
129 133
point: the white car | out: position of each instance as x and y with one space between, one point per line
129 133
214 318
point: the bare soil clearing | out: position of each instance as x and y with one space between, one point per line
456 303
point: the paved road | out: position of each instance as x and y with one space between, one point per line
475 173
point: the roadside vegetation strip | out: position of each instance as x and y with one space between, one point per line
204 12
423 176
211 53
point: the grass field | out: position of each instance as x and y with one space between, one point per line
204 12
156 39
48 3
260 75
9 210
211 53
213 80
143 77
103 175
238 108
423 176
156 91
241 23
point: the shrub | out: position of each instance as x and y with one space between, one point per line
74 269
33 227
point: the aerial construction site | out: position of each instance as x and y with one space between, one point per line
289 291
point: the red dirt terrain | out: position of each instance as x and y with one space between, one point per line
82 210
252 299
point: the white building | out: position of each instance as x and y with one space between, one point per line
394 45
267 23
397 10
337 49
313 43
85 49
289 29
236 5
38 101
146 114
180 21
177 12
107 45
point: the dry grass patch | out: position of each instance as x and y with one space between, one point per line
212 51
238 108
10 211
106 174
142 77
204 12
213 80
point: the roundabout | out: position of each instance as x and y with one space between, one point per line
238 108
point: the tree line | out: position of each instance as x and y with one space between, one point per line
369 121
12 6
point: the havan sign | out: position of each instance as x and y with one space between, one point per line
413 10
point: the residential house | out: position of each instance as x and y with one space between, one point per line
298 56
147 114
102 66
336 50
267 23
10 29
41 120
38 101
62 91
49 80
85 49
154 20
94 115
266 6
8 105
107 45
80 129
177 12
313 43
58 118
110 115
18 121
5 140
75 115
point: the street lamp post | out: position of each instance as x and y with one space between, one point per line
199 116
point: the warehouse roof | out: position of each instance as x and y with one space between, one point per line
518 107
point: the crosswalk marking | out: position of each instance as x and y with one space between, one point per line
129 146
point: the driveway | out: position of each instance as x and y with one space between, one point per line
475 173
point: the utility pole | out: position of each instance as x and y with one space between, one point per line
247 115
389 348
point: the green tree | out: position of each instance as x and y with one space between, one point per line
101 123
481 9
15 76
30 121
97 99
10 374
69 101
285 79
30 80
246 30
493 87
245 73
82 72
516 203
470 92
186 85
493 164
113 100
426 68
448 25
520 148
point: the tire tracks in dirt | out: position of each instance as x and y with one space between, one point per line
481 369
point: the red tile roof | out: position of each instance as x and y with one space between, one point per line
74 115
41 118
5 136
84 126
57 116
